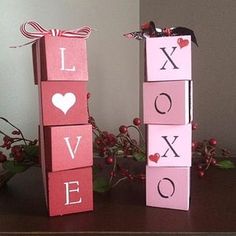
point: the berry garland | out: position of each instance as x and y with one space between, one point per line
22 153
113 148
208 153
113 152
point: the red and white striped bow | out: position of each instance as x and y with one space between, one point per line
83 32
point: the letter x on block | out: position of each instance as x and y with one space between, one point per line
168 58
169 145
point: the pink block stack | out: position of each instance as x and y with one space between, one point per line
60 68
167 105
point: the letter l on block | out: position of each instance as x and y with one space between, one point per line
63 61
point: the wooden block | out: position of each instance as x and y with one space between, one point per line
43 160
169 145
68 147
36 62
63 103
168 187
168 58
60 59
167 102
70 191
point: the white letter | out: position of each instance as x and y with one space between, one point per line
63 61
68 191
72 153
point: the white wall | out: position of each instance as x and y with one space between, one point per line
113 60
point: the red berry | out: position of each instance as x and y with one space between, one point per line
142 177
102 150
109 160
137 121
112 140
104 134
98 141
213 161
194 145
123 129
194 126
88 95
199 167
131 177
112 173
201 173
6 139
213 142
19 157
15 132
2 157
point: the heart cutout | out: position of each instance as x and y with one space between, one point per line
63 102
155 158
182 42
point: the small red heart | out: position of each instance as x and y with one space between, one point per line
154 157
182 42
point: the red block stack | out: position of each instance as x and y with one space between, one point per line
61 72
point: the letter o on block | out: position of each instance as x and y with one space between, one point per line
165 97
166 188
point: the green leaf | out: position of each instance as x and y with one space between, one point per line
14 167
139 156
96 170
101 185
31 151
226 164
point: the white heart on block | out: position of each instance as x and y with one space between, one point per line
63 102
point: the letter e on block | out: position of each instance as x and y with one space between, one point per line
70 191
168 187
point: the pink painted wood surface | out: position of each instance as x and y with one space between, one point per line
168 58
170 144
168 187
167 102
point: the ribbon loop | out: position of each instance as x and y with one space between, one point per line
39 31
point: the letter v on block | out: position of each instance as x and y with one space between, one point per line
68 147
72 152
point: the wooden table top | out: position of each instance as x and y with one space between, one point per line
123 210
